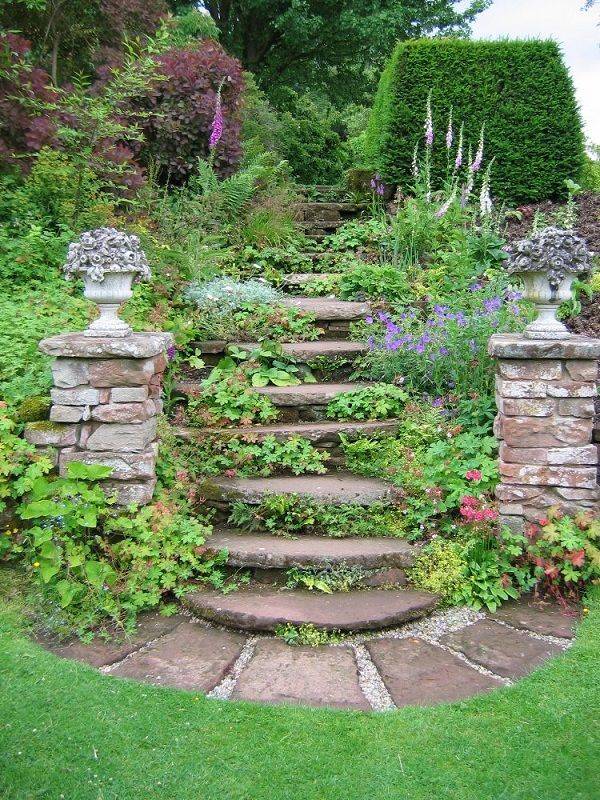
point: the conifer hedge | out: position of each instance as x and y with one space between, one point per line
521 90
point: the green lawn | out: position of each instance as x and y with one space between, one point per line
67 731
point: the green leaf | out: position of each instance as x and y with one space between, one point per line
40 508
48 569
66 590
88 472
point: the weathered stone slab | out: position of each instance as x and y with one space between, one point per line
78 396
503 651
544 475
522 407
124 412
125 466
325 308
336 488
571 389
531 370
521 389
100 653
515 346
315 676
127 492
586 455
277 552
355 610
69 413
46 434
417 673
122 437
129 394
69 372
190 657
576 407
136 345
582 370
121 372
543 432
554 456
546 619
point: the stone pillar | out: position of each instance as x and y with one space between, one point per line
545 391
105 401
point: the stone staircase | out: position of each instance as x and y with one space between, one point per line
265 604
320 218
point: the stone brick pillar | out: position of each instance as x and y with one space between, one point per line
545 391
105 401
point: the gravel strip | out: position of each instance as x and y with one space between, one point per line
559 640
370 681
462 657
223 690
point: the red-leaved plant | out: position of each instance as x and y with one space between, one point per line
564 554
196 83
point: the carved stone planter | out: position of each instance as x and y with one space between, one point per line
109 294
548 263
108 261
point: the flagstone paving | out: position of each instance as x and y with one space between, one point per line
446 657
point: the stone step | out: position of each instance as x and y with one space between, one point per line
338 488
306 394
329 309
265 610
315 432
301 351
298 280
277 552
321 224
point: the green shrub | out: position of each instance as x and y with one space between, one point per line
440 569
380 401
310 143
520 90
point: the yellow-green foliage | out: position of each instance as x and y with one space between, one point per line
440 569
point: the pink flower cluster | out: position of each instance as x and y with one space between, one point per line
473 510
473 475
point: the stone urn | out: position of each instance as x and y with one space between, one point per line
547 264
108 261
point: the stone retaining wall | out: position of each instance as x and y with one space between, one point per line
105 401
545 393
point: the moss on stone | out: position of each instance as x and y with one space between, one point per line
33 409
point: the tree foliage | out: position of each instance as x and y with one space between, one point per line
520 90
332 45
68 36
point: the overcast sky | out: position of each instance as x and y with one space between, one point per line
577 31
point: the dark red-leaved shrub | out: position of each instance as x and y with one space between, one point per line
182 107
22 130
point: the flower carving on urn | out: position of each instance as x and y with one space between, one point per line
109 261
548 263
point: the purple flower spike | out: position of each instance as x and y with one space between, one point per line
429 123
216 131
171 352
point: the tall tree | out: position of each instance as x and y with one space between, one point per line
336 46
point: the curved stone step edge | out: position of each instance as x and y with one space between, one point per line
304 394
341 488
302 351
267 551
266 610
315 432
